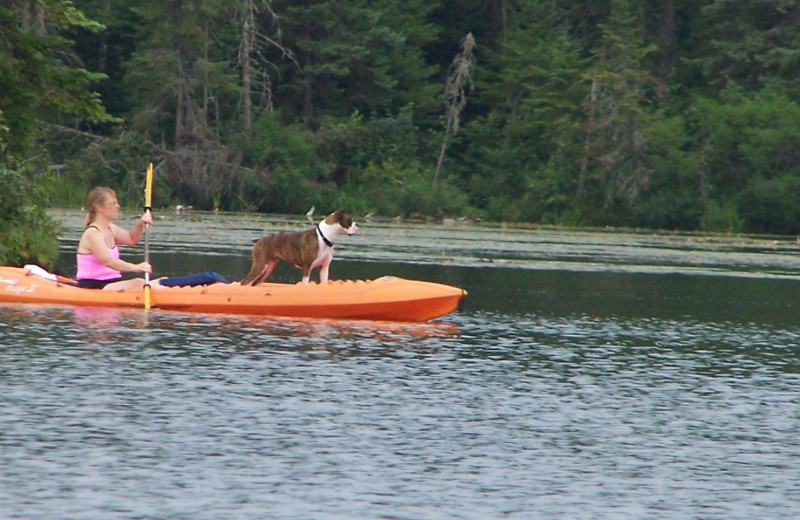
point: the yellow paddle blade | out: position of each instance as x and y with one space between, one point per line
148 187
146 297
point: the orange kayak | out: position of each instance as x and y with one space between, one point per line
387 298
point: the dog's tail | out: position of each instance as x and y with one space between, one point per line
252 278
259 271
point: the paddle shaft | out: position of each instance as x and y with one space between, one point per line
147 250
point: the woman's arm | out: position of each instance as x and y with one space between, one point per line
131 237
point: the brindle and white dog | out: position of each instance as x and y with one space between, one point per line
304 250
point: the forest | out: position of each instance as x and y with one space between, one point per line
656 114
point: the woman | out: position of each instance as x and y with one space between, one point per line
99 262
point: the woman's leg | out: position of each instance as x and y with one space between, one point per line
132 284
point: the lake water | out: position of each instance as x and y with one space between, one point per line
589 375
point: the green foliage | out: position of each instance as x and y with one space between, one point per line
119 162
178 77
751 137
365 56
347 147
39 76
771 205
673 195
521 161
27 234
391 188
281 174
675 115
616 108
750 44
721 218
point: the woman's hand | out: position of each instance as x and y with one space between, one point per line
146 219
143 267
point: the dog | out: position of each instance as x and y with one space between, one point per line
304 250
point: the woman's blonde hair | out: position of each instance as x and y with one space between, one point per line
97 196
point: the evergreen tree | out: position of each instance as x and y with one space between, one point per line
107 50
186 92
616 149
521 160
751 45
40 86
359 56
39 79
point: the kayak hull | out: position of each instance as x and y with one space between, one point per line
387 298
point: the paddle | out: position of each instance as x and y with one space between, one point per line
148 196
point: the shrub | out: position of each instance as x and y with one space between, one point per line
771 205
392 188
27 234
720 217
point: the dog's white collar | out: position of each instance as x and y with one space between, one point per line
323 237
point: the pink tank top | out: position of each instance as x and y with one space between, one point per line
89 267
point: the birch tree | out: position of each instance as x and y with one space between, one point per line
459 82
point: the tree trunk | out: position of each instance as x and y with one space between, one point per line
102 51
441 153
245 59
180 98
666 37
455 97
587 139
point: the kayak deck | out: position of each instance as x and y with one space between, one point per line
386 298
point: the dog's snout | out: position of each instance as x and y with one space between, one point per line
352 229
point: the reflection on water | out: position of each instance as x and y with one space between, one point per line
485 414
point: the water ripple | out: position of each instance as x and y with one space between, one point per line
484 415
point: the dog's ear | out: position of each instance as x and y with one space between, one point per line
333 217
